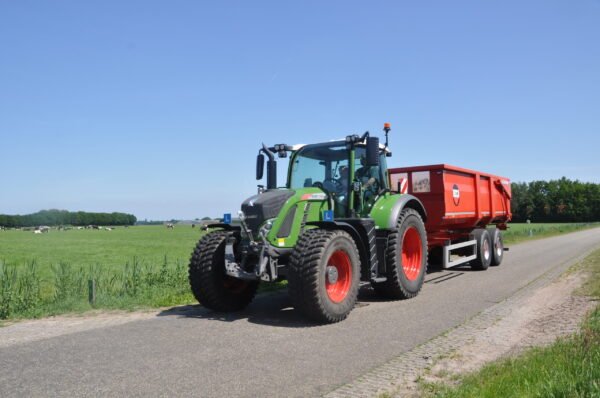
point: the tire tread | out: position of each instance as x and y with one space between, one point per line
201 274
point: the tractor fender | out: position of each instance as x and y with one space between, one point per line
354 233
387 210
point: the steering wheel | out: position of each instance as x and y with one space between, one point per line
336 184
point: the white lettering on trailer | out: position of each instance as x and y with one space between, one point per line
460 213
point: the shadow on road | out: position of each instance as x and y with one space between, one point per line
275 308
271 309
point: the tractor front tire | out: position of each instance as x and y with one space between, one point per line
406 258
324 275
210 285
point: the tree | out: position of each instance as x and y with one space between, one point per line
63 217
560 200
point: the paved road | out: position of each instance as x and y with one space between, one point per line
269 350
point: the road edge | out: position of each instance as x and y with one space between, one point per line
387 378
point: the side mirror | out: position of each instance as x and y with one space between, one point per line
260 166
372 151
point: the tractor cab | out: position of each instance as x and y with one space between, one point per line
343 171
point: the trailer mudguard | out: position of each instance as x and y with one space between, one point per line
386 210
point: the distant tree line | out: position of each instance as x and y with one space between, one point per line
64 217
171 221
561 200
150 222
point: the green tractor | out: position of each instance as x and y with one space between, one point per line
335 225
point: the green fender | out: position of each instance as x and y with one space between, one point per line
386 210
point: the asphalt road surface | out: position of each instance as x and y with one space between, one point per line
269 349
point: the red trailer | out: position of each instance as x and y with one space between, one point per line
460 204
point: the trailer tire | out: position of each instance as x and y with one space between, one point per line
324 275
210 285
497 247
484 250
406 258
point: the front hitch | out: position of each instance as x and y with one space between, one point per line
265 268
232 268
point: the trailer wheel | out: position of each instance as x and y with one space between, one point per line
324 275
484 250
406 258
210 285
497 247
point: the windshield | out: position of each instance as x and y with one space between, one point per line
322 164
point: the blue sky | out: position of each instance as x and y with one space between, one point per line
158 108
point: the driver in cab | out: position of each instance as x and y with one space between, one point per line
367 175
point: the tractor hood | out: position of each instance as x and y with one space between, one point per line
261 207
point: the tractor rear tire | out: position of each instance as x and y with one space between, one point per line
324 275
210 285
497 247
484 250
406 258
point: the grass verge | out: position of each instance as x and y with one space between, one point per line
521 232
568 368
26 294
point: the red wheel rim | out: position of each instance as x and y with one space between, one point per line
412 253
338 276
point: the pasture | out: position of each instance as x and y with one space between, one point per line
91 247
136 267
46 274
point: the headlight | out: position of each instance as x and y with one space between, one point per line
266 227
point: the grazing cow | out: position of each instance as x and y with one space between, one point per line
108 229
170 226
37 231
193 225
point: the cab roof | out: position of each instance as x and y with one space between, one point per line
297 147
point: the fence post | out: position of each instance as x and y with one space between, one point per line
92 291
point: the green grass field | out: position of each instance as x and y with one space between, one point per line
142 266
149 244
110 249
136 267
